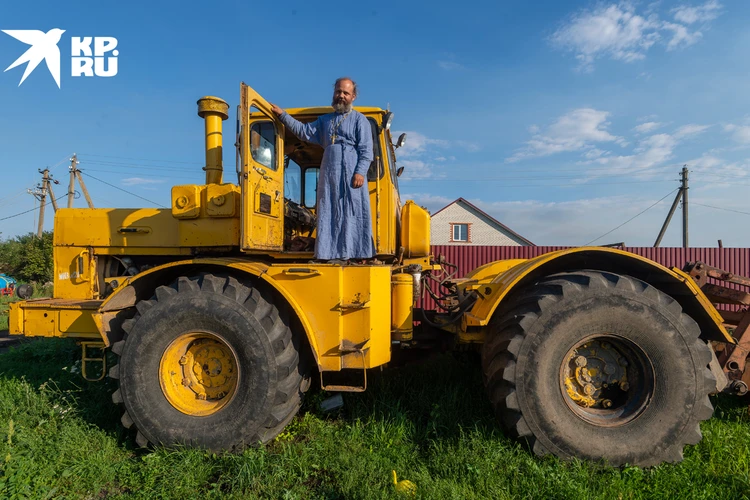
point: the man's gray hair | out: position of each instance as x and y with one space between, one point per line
346 78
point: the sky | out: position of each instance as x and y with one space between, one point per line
569 122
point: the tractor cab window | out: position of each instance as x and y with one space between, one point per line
292 181
311 187
392 159
376 166
263 144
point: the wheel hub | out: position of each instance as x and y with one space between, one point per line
606 380
198 373
591 369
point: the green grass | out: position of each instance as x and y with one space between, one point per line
4 301
60 438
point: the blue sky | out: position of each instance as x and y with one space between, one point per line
561 119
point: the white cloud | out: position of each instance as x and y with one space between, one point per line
450 65
574 131
690 129
681 37
702 13
140 181
420 153
614 30
584 131
716 172
416 169
569 222
645 128
577 222
740 133
471 147
617 31
417 144
650 153
594 153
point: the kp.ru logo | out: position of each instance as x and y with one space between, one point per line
101 61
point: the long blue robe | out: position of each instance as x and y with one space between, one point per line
344 228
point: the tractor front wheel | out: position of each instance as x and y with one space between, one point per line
208 362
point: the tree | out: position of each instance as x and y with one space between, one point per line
28 258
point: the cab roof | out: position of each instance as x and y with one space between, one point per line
322 110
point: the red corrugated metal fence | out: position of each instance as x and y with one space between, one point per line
734 260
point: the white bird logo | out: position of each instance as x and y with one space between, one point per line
43 46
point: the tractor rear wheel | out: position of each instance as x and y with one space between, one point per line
599 366
208 362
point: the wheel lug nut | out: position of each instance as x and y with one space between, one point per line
607 403
202 397
624 386
186 382
581 361
183 360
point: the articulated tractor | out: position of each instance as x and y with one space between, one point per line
220 319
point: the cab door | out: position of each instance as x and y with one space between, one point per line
262 169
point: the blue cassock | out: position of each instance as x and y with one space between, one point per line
344 228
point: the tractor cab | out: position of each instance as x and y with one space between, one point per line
278 175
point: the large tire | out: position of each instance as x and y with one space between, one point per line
554 370
208 362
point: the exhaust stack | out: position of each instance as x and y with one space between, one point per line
213 110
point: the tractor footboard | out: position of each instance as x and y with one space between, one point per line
69 318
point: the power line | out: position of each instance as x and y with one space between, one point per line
124 190
635 216
35 208
719 208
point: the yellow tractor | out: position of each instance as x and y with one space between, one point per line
220 318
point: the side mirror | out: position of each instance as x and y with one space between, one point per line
399 171
401 140
387 120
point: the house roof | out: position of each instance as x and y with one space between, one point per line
473 207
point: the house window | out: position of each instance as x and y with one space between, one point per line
460 232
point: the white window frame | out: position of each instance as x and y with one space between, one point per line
457 226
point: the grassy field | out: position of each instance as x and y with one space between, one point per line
60 438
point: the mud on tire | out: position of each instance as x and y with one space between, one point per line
209 362
598 366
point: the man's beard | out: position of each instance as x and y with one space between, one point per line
341 107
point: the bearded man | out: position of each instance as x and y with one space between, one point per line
344 229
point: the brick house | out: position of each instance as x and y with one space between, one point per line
461 223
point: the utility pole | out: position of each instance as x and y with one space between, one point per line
681 195
83 188
76 174
669 218
72 182
684 207
40 193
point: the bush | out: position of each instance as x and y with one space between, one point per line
27 258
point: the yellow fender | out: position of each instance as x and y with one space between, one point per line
142 286
499 280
